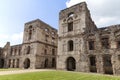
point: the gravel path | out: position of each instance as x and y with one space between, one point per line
22 71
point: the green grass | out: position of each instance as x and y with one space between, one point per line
9 69
57 75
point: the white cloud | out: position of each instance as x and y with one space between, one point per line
104 12
4 36
15 38
73 2
105 20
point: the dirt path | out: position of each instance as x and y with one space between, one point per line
22 71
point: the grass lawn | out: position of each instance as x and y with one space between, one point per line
9 69
57 75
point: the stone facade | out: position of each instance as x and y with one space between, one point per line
38 50
83 47
72 43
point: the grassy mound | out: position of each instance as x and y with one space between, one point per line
57 75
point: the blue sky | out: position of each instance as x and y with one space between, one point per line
14 13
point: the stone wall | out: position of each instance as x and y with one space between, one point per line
38 37
80 17
92 49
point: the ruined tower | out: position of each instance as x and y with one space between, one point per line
39 46
74 22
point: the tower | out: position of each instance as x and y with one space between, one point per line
29 46
74 23
39 46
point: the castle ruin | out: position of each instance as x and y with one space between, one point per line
79 45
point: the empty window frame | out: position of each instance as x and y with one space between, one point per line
53 51
46 37
105 43
91 45
45 51
30 32
92 61
71 14
28 50
70 26
70 45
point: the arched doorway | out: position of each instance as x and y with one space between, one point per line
53 63
92 66
18 63
1 63
27 63
71 64
107 64
46 63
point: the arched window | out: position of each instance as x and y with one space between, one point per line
71 14
91 45
45 51
70 26
28 50
46 37
46 30
53 51
105 43
30 32
30 27
70 45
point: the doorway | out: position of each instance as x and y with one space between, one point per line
71 64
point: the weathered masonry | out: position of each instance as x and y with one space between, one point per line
38 50
85 48
78 46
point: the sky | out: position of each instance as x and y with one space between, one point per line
15 13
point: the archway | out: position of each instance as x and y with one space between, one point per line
46 63
53 63
27 63
71 64
107 65
92 59
18 63
1 63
